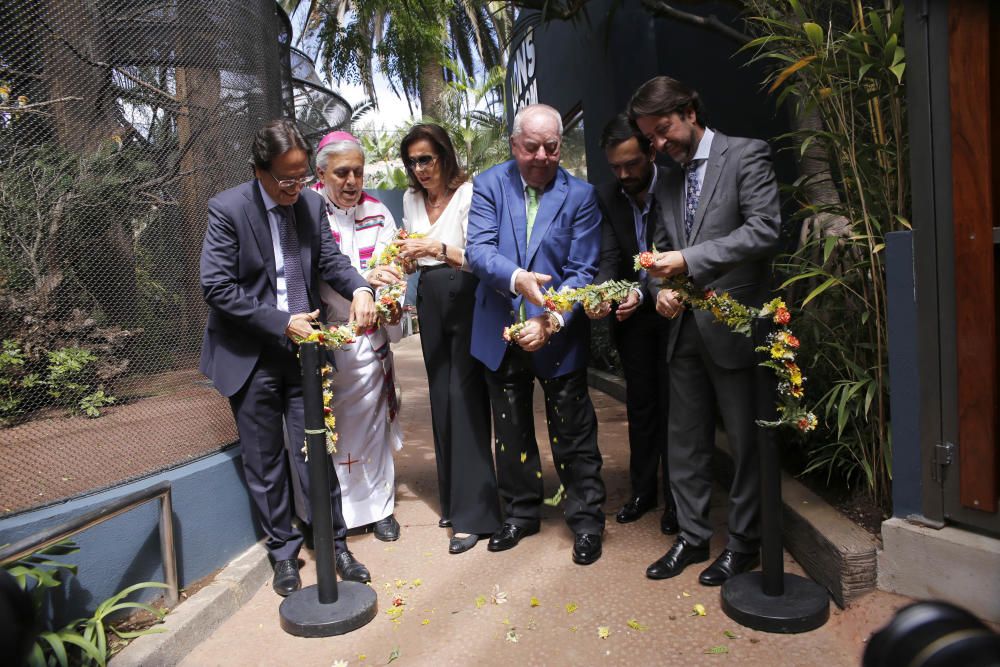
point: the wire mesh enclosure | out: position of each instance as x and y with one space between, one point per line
119 119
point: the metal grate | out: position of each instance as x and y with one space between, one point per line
119 119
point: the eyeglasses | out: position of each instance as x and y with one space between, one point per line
288 183
421 162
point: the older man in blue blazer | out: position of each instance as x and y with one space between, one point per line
533 225
266 248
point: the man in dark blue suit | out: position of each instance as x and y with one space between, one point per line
531 224
266 248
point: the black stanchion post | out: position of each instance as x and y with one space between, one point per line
326 609
319 475
771 600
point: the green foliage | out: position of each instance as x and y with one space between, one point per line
83 641
67 381
844 66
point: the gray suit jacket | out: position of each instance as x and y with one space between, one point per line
735 234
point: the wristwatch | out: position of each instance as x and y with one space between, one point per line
556 326
443 255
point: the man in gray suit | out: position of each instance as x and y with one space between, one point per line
719 224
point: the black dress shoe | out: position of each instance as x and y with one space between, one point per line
682 554
444 523
350 569
387 529
286 577
726 565
634 509
458 545
508 536
586 549
668 522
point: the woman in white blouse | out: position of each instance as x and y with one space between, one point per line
437 205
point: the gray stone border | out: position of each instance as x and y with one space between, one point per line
194 620
832 549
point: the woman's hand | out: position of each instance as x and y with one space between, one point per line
414 249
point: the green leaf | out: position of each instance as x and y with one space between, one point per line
825 285
828 245
58 648
70 637
863 70
814 33
898 71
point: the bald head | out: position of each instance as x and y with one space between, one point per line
535 142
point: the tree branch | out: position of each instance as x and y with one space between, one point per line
710 22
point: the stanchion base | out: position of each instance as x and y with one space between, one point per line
804 606
303 615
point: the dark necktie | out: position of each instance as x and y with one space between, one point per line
295 284
692 193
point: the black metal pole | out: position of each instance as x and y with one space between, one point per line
319 475
772 563
327 608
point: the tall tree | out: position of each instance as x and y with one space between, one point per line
407 41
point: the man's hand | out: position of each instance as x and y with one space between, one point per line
300 325
600 311
380 276
529 285
668 305
668 264
536 333
627 307
363 309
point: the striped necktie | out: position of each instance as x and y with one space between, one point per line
295 283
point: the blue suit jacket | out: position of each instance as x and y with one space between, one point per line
565 244
238 279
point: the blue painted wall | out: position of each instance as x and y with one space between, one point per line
904 375
212 525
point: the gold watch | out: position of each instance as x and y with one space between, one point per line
556 325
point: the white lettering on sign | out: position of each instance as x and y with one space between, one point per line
524 87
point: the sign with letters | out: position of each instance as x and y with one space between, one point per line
523 84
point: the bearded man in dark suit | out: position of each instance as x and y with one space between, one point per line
628 206
266 248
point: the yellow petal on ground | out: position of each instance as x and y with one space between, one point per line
717 650
534 601
698 610
426 621
480 601
524 456
603 631
571 607
417 582
538 474
636 625
685 594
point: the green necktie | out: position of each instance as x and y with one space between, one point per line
532 212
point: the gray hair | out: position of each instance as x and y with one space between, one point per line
534 108
337 148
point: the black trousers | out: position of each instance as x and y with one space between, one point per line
460 408
641 341
273 391
572 434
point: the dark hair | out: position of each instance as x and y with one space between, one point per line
445 150
662 96
276 138
620 130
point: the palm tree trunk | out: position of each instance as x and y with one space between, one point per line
431 87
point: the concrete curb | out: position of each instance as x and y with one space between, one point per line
832 549
196 618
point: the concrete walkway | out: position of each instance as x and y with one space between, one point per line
554 612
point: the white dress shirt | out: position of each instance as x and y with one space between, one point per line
450 227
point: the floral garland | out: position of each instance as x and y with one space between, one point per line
332 339
563 300
387 300
781 345
390 254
